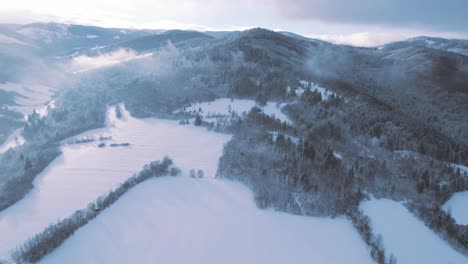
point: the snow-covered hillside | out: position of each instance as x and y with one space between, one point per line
407 238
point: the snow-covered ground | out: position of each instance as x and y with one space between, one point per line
406 236
177 220
15 139
224 107
184 220
84 171
457 205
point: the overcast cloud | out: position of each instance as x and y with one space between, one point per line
356 22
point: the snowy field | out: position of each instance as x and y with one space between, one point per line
457 205
224 107
407 237
85 171
184 220
177 220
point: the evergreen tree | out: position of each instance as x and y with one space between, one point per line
198 120
27 164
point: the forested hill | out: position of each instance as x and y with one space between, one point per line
387 121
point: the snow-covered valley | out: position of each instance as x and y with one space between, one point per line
290 149
207 219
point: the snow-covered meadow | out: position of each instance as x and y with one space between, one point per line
184 220
406 237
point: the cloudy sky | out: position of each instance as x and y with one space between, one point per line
357 22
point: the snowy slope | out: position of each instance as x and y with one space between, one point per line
407 237
84 171
184 220
457 205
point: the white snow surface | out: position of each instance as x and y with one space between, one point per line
184 220
83 171
406 236
224 107
457 205
15 139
